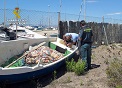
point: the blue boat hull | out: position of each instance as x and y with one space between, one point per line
30 75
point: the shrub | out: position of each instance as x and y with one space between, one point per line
119 86
70 65
79 67
114 73
54 74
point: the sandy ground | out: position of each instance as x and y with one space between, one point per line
94 78
47 32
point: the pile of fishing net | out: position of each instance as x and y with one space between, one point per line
43 54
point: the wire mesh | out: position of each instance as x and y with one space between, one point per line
33 17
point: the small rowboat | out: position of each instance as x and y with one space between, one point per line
40 60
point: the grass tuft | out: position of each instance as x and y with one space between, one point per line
114 73
77 67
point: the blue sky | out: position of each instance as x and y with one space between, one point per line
94 8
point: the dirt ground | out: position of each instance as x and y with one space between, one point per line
94 78
47 32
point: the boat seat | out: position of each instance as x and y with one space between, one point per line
61 50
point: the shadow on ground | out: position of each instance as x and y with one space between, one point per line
94 66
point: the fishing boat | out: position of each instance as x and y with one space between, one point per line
48 55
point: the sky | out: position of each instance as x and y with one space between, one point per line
94 8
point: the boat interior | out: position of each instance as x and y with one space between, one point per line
21 60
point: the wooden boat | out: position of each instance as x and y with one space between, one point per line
21 69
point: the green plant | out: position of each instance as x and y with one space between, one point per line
106 61
68 79
79 67
121 49
81 83
119 86
114 73
70 65
93 56
54 74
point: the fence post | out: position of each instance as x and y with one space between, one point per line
105 32
58 24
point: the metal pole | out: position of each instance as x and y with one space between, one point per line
85 10
60 5
59 18
49 15
16 26
58 24
105 32
4 13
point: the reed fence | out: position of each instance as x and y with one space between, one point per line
103 32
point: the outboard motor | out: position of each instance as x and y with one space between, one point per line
12 35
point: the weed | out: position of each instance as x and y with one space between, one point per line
93 56
106 61
81 83
68 79
70 65
120 49
120 45
114 73
54 74
79 67
119 86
